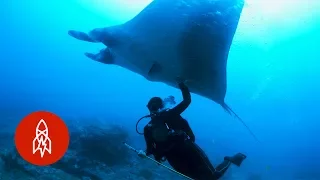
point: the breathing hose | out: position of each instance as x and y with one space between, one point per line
146 116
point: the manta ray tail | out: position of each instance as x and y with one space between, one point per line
231 112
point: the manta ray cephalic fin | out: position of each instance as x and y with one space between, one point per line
82 36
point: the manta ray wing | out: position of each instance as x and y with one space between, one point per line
186 38
191 40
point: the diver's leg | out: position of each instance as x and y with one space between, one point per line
201 169
176 157
203 155
221 169
205 169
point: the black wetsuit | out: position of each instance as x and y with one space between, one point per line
169 136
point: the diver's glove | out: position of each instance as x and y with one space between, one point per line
142 154
180 80
182 83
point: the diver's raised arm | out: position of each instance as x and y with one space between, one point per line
182 106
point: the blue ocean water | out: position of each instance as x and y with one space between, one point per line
272 80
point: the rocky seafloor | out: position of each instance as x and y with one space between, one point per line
95 152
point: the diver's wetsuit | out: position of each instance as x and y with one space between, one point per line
169 135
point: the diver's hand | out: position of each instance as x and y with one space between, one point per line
160 159
142 154
180 80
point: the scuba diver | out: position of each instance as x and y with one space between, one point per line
169 137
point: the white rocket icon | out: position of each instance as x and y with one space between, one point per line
42 142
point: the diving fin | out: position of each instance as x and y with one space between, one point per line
236 159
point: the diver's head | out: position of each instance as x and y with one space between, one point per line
155 104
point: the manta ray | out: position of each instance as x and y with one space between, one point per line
189 39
